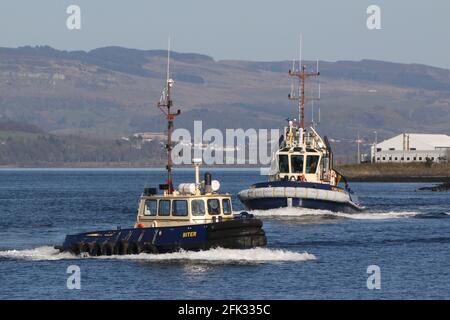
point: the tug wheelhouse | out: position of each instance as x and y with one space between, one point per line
167 211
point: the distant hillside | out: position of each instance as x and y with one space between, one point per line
12 126
111 92
26 145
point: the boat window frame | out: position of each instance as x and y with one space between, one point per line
159 207
156 207
291 163
218 206
173 206
308 156
204 208
229 206
288 163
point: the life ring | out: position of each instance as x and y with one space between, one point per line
140 225
292 178
302 178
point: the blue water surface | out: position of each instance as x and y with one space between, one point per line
310 255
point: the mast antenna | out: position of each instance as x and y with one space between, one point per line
300 58
164 104
302 75
168 60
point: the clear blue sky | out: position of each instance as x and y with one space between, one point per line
412 31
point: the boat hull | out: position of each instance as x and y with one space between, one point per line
280 194
239 233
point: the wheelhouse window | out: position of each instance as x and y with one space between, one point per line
213 206
297 163
164 208
312 163
179 208
198 207
226 205
283 163
151 207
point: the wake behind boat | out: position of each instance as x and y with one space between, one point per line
302 173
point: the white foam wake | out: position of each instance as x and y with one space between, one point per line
224 255
40 253
213 255
304 212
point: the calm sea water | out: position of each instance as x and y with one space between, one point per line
310 255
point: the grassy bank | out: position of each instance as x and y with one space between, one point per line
396 172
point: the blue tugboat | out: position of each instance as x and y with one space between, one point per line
302 173
193 217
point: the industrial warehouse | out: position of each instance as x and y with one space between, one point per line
412 147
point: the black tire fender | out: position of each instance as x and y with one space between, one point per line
134 248
121 247
94 249
107 249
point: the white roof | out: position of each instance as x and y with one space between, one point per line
419 141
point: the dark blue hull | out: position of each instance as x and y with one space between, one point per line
239 233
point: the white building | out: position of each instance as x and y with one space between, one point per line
412 147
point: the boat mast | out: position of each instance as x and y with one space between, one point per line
302 75
164 104
302 99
